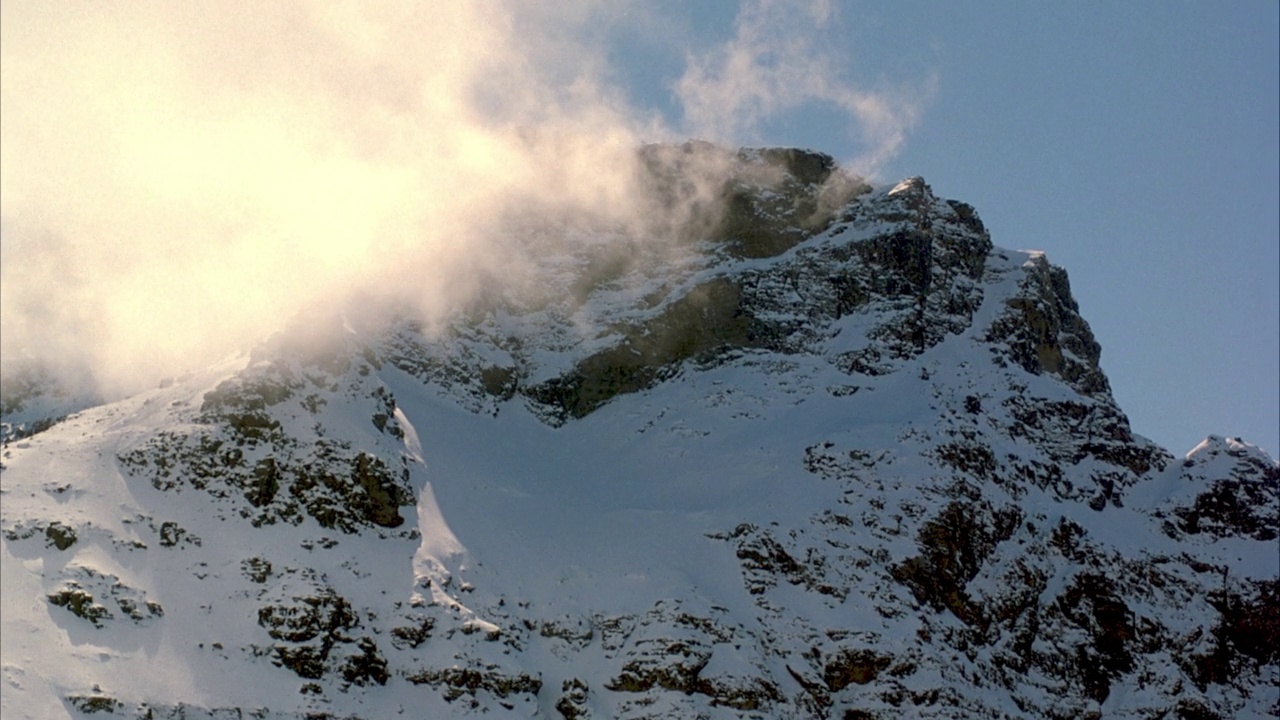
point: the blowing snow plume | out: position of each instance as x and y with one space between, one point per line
179 180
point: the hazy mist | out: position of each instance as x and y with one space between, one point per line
179 179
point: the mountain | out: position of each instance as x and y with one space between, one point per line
35 395
828 453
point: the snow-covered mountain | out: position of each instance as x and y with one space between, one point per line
833 455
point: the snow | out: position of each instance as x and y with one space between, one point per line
619 518
906 185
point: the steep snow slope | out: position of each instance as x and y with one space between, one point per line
860 466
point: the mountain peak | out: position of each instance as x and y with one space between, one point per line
914 185
1215 445
823 453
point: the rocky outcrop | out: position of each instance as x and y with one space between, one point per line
915 269
1044 333
254 451
1236 493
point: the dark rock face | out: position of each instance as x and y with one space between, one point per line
709 319
60 536
1045 333
1234 507
91 595
954 547
921 278
459 682
1092 606
849 667
765 215
753 203
241 454
308 630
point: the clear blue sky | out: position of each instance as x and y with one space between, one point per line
1135 142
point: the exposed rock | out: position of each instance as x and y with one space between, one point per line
256 569
238 450
953 547
83 590
457 682
853 666
922 277
80 603
572 702
414 634
308 629
96 703
1044 333
1091 605
60 536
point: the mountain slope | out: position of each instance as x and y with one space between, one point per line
831 458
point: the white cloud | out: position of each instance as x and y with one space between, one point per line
781 60
178 179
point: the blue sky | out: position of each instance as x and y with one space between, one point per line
1136 143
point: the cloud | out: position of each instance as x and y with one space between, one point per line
179 179
780 60
176 178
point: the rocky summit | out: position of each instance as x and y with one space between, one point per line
818 450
